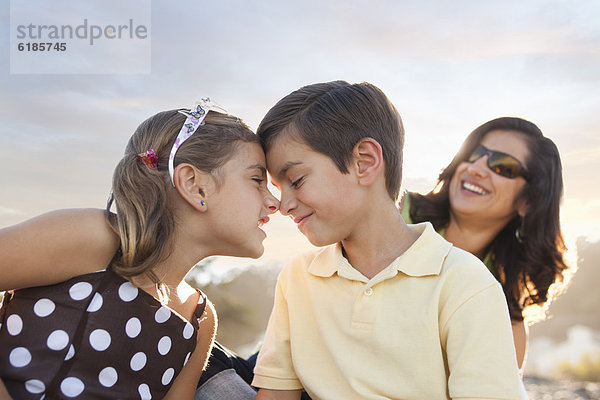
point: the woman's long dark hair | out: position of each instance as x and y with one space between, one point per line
527 267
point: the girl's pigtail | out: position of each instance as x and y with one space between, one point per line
144 219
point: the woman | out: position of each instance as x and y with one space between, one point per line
499 199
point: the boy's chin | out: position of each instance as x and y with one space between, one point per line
321 242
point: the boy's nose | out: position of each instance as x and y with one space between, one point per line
288 202
286 207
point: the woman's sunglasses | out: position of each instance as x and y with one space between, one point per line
501 163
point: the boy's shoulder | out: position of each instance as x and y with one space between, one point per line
449 262
464 276
461 264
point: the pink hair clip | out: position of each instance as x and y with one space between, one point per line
150 158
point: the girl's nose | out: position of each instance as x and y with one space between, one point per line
271 203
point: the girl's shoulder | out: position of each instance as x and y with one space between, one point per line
97 323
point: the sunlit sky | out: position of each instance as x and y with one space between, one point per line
447 66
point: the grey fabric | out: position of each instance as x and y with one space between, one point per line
226 385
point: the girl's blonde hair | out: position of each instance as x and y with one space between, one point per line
144 217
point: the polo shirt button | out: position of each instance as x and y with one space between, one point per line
368 292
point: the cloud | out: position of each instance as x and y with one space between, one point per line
447 66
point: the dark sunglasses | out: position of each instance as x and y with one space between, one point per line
501 163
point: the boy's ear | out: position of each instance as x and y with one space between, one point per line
192 185
368 160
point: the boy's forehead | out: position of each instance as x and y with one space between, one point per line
277 171
283 149
281 160
284 154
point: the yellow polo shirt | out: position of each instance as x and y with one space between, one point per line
432 325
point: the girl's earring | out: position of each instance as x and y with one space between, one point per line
202 203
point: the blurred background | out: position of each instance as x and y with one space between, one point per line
447 66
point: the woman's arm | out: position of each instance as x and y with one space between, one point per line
54 247
185 384
520 337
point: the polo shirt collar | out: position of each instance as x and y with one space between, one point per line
427 254
328 261
424 258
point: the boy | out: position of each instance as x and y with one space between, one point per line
387 310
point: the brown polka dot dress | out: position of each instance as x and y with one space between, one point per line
95 336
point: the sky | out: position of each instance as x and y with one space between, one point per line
447 66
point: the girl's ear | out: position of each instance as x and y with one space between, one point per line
193 185
368 160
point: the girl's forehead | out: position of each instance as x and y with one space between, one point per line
251 148
247 154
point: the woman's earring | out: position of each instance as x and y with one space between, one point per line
518 233
202 203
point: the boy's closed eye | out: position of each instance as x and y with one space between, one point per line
296 183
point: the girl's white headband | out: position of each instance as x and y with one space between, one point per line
195 118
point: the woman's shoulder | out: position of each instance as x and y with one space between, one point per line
404 206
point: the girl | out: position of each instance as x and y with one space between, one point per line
499 199
191 184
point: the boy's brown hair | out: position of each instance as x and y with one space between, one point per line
332 117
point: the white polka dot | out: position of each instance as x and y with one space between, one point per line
19 357
35 386
133 327
164 345
128 292
187 358
44 307
58 340
200 300
108 377
70 353
167 376
96 303
14 324
100 339
80 290
144 392
71 387
188 331
138 361
162 314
